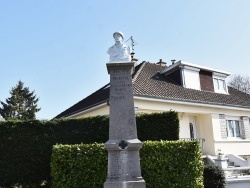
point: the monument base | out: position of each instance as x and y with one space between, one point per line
125 184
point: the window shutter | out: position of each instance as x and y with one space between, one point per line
245 127
223 126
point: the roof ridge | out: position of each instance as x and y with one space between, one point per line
71 108
138 71
105 86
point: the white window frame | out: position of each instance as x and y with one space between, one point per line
217 78
190 77
233 120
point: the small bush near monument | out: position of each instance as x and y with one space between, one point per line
175 164
214 177
81 165
26 146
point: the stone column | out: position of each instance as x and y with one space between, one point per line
123 146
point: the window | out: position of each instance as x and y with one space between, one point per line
220 85
233 128
191 127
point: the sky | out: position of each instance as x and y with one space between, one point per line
59 48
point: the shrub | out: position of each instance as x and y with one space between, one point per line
25 153
81 165
158 126
26 146
214 177
175 164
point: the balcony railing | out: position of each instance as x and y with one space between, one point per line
200 140
237 172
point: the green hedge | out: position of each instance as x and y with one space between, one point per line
25 153
175 164
82 165
26 147
214 177
158 126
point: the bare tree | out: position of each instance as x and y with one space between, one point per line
241 83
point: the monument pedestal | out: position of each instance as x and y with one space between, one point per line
123 146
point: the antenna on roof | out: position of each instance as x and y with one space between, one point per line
173 61
133 43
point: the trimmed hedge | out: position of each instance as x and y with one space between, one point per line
175 164
81 165
158 126
26 147
25 153
214 177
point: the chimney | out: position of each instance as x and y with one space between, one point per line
161 63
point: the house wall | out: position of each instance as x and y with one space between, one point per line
144 105
207 123
236 147
216 127
204 122
184 126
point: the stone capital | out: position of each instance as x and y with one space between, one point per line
121 67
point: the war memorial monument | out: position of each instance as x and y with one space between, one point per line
123 146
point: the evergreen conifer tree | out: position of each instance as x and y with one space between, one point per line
21 105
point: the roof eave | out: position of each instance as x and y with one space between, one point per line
85 110
191 102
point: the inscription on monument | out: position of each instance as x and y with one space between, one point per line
119 85
124 163
114 166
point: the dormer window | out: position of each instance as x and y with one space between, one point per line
197 77
220 85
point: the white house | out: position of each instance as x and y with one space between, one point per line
207 107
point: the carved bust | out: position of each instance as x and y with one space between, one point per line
119 52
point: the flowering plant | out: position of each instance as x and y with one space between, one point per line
219 152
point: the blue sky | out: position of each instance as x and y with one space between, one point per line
58 48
